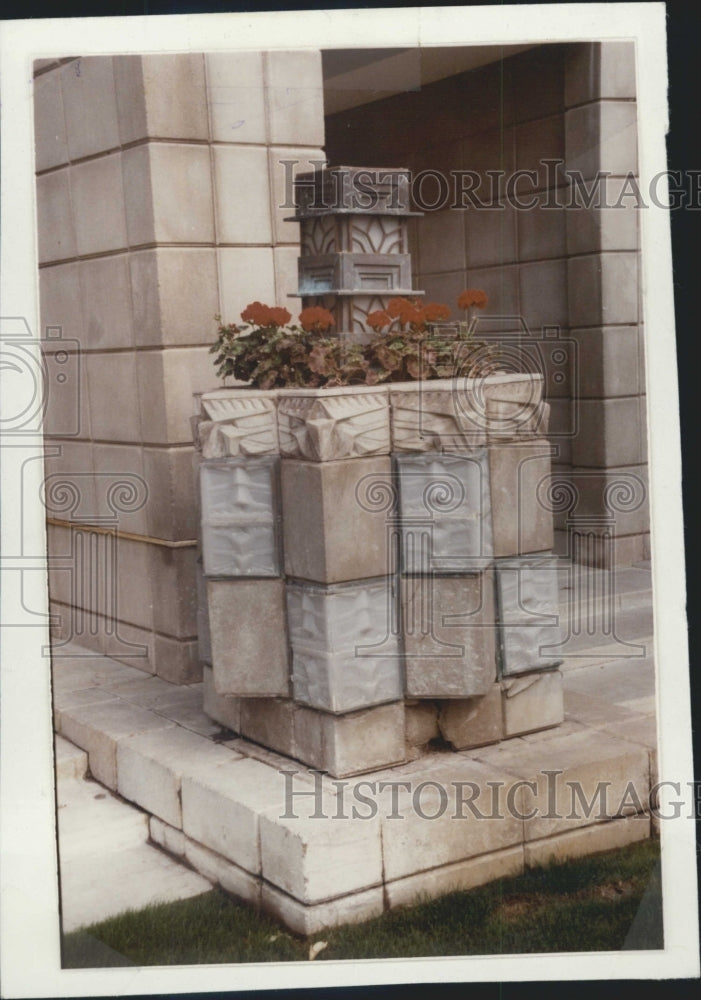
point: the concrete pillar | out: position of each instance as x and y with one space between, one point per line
160 189
609 451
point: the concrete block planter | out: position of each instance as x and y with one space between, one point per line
405 555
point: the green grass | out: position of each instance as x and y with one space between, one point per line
605 902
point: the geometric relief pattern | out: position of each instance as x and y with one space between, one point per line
238 424
345 650
239 522
377 234
323 427
438 418
446 523
528 609
318 236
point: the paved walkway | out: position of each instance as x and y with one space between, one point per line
107 863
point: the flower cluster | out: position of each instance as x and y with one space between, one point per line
408 344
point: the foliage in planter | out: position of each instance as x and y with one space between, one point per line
268 351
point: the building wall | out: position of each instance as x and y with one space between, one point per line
159 183
570 274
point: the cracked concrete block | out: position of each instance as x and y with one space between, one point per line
249 637
449 635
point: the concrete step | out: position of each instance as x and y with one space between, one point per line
107 864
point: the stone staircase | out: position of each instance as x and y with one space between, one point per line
107 864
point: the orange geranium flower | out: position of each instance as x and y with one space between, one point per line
472 297
378 319
257 314
435 312
316 318
280 316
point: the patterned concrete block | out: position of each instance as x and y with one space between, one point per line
249 639
324 425
345 648
239 536
445 512
519 478
473 722
531 702
530 635
449 635
441 415
238 422
326 508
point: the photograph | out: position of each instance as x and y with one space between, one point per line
342 552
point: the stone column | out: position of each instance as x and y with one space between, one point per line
160 193
609 452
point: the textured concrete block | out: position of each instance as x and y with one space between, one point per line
98 728
602 136
445 415
449 635
532 702
249 643
239 517
50 142
56 231
164 310
456 877
222 708
610 433
174 587
326 508
603 289
242 194
609 361
325 425
221 809
599 69
444 817
620 495
218 870
307 920
160 175
165 378
295 97
363 741
236 96
60 299
118 421
106 302
98 205
171 512
246 274
90 106
579 781
421 723
473 722
607 836
345 647
530 633
445 512
519 475
299 850
238 422
173 97
150 768
269 721
543 294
